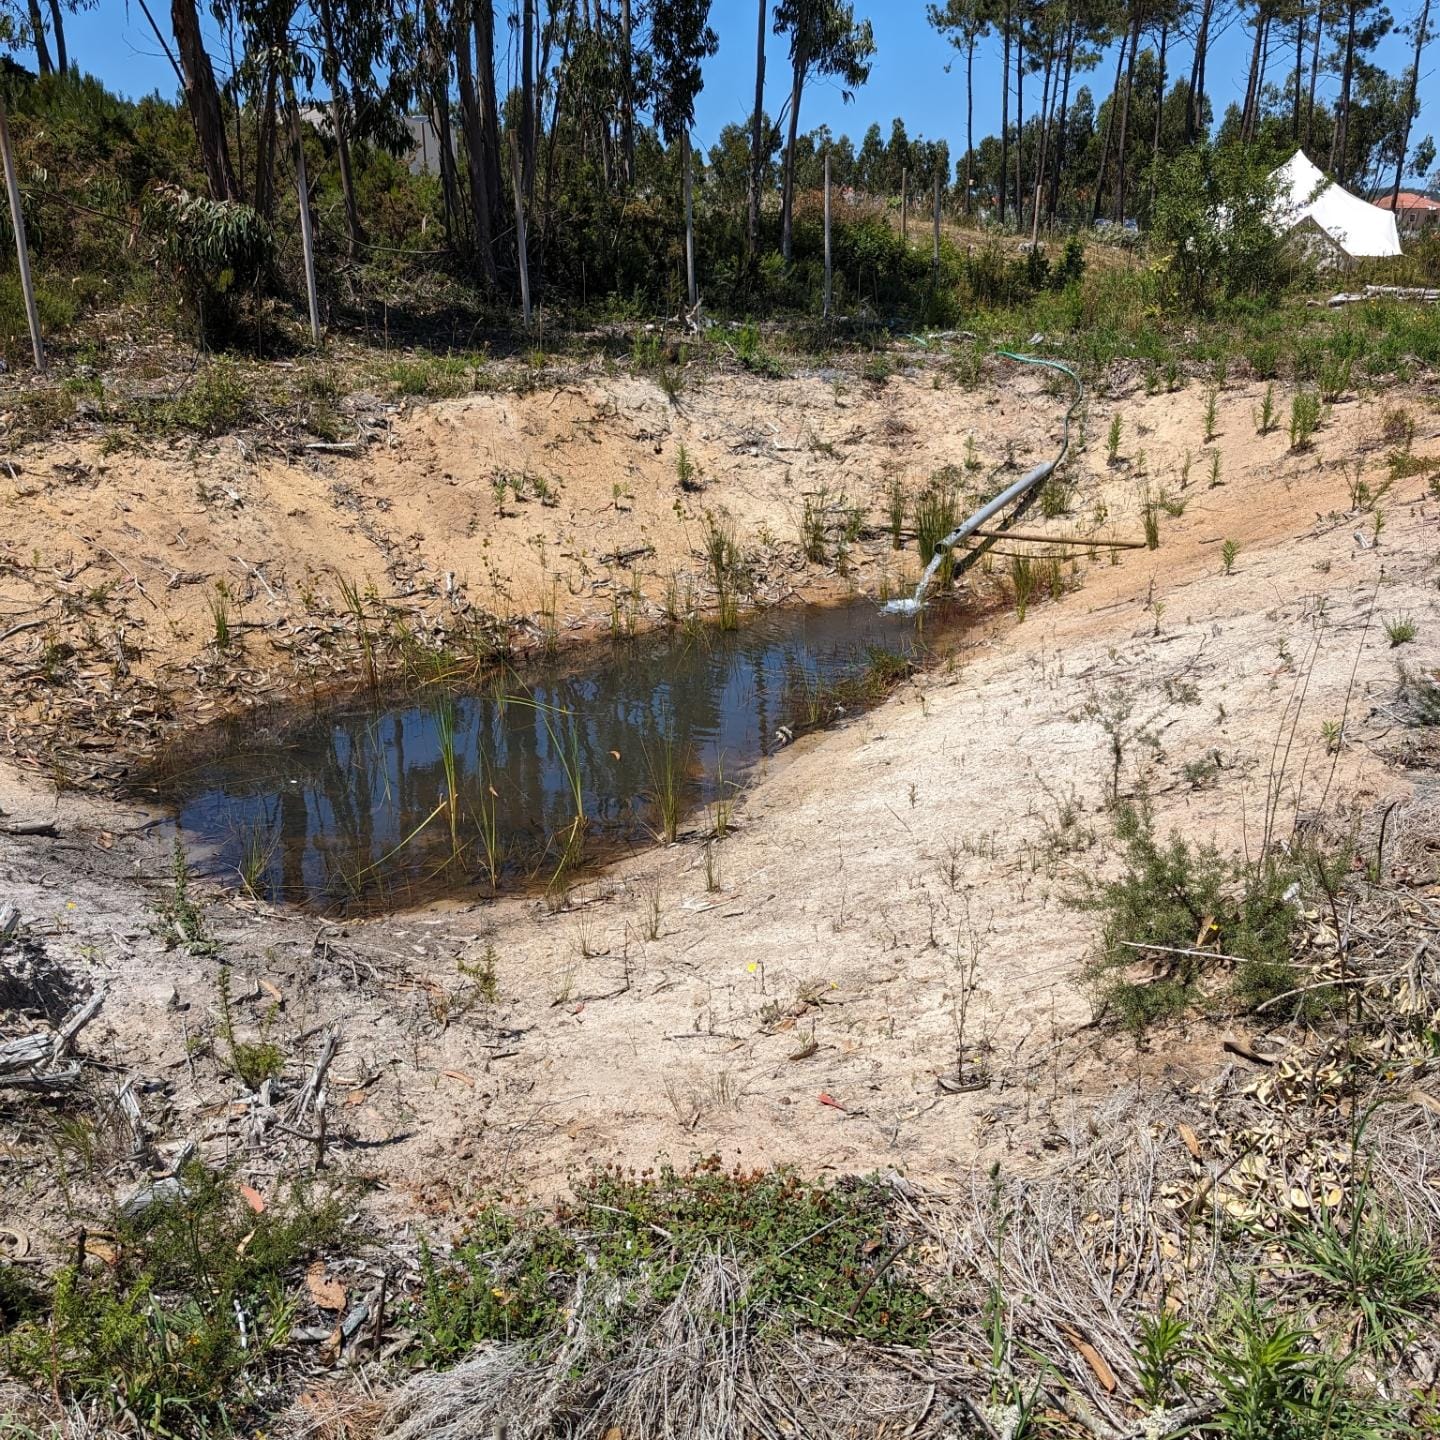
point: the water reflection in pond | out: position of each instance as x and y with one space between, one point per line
350 807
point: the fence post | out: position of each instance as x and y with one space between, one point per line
521 243
935 262
307 234
828 274
22 253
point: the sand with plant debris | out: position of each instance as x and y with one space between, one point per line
805 1012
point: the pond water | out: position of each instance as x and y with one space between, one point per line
349 807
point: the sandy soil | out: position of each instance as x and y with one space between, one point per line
803 1013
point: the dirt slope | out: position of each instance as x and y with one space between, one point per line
867 865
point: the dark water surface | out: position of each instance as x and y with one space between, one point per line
348 807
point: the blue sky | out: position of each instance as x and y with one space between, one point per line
909 76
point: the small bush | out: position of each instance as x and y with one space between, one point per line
1172 897
1400 630
815 1255
157 1338
1305 414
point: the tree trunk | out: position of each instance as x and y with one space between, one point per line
1159 116
1020 124
339 118
787 198
265 149
1299 73
527 96
1340 139
1109 128
1314 74
1420 38
489 106
37 36
1195 108
969 118
1004 110
57 29
449 179
1123 154
757 137
1041 157
472 124
628 63
203 100
1062 139
1252 83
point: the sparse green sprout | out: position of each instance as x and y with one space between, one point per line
896 503
1025 580
1266 423
1112 439
1212 404
1215 480
1400 630
972 456
1185 469
936 511
1333 734
685 472
1150 517
1304 418
1229 551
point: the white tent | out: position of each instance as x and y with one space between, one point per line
1354 227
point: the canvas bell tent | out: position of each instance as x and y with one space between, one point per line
1332 224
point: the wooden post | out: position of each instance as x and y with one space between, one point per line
904 218
690 287
935 262
828 274
22 253
307 234
521 244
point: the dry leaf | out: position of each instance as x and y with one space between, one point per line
1192 1141
326 1293
272 990
1428 1101
357 1097
461 1076
253 1198
1093 1358
101 1251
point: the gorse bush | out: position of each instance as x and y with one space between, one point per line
1172 897
158 1337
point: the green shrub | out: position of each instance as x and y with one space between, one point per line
158 1337
1171 897
215 249
815 1255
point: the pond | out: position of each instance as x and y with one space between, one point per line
372 804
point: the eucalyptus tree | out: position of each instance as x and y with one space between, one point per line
825 39
680 38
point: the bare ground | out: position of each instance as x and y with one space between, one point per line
804 1013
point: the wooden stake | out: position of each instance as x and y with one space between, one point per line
22 253
307 234
521 243
690 287
935 262
829 279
